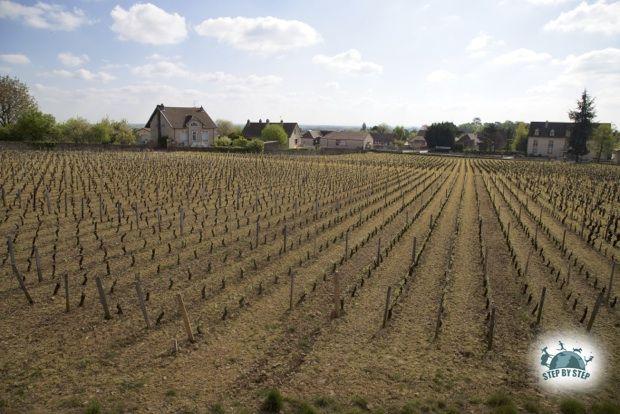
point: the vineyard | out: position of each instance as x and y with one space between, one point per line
175 282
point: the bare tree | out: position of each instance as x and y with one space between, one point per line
15 100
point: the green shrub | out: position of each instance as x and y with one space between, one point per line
223 142
605 408
572 406
240 142
93 407
498 399
216 409
273 402
256 145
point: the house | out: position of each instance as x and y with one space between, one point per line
181 126
347 140
253 130
143 136
615 155
548 139
418 143
311 138
383 139
470 141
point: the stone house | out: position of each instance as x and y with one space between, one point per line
181 127
548 139
347 140
253 130
469 140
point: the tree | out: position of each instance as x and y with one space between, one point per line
274 132
256 145
225 127
519 143
401 133
122 133
101 132
603 141
74 130
364 126
440 134
474 126
15 101
582 118
35 126
382 128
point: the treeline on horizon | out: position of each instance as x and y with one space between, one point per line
21 120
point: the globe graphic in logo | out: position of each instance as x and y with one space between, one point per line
567 359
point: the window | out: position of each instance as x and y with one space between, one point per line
194 135
536 132
552 133
339 142
550 147
568 133
295 141
535 143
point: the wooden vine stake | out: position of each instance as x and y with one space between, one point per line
336 311
37 261
18 276
611 280
388 297
540 305
67 303
597 305
139 292
291 291
102 298
186 322
491 329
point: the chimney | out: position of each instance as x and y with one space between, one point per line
161 106
248 123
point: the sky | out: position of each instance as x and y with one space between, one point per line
328 62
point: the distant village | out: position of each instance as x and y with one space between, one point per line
193 127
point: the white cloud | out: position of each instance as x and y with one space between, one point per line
147 23
349 62
167 69
440 75
547 2
259 34
44 15
69 59
482 44
521 56
599 17
15 59
83 74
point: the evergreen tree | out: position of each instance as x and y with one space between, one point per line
582 117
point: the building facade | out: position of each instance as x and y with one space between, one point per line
347 140
181 127
253 130
548 139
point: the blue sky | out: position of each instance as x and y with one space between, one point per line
328 62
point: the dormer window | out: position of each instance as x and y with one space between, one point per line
552 133
536 132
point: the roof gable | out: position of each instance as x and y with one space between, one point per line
254 129
349 135
178 116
